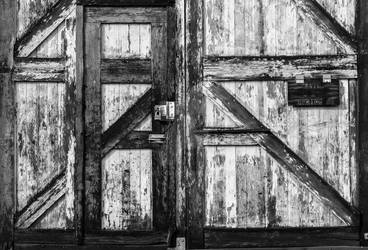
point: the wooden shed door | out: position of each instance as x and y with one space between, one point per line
126 176
262 171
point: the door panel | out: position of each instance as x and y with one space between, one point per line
127 178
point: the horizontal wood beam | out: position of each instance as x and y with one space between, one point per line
282 153
37 237
281 237
278 68
115 15
329 26
127 238
127 122
126 3
128 71
42 202
43 28
224 139
36 70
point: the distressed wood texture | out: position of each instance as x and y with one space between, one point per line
343 11
362 26
43 28
115 15
43 151
286 27
30 11
339 170
8 26
194 120
35 70
121 3
126 190
278 68
131 62
307 238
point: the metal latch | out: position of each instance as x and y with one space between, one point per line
165 112
156 138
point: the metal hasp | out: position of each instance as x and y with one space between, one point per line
165 112
156 138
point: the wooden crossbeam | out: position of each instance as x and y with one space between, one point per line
278 68
42 202
120 71
37 70
282 153
127 122
43 28
333 29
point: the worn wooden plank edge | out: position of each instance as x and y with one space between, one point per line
43 28
283 154
49 236
39 70
329 26
126 3
127 122
281 237
278 68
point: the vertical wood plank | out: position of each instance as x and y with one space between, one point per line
93 127
70 133
195 115
79 126
362 29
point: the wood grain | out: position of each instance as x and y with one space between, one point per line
34 70
277 149
44 27
278 68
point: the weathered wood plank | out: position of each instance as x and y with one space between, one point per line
34 70
30 11
126 71
40 144
53 46
117 99
126 190
8 27
42 202
79 126
288 237
282 153
125 3
127 122
70 134
123 41
195 162
115 15
344 11
343 39
227 139
362 29
145 239
44 27
92 126
277 68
